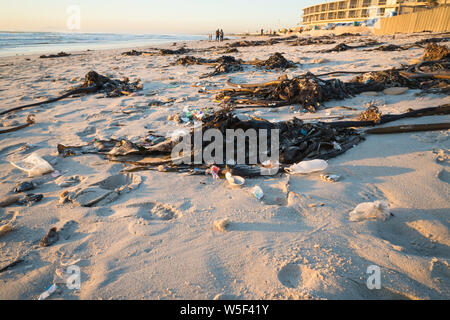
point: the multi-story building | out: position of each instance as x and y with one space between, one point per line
359 10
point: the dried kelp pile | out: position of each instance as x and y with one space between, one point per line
344 47
434 52
93 83
191 60
223 68
311 41
391 47
385 78
110 87
222 65
297 141
156 52
58 55
275 61
307 90
135 53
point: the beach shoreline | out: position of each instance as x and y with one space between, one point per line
159 240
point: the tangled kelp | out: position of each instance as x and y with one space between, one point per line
307 90
58 55
191 60
222 65
275 61
344 47
93 83
297 141
434 52
223 68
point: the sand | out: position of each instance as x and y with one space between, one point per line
158 240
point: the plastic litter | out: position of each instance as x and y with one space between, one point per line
215 172
234 180
24 186
370 210
308 166
257 192
330 177
34 165
30 198
48 292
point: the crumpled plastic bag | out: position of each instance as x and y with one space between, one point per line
308 166
370 210
34 165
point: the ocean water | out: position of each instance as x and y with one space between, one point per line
17 43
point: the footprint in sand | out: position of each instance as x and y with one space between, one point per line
152 211
289 275
156 211
300 276
444 176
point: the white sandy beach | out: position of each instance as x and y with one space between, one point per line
296 243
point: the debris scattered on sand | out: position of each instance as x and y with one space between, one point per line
307 90
370 211
33 165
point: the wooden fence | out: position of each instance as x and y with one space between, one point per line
435 20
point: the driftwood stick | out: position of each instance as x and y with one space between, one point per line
410 128
440 110
30 121
66 95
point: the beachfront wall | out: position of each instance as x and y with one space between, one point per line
435 20
348 11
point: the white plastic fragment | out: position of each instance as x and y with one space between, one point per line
47 293
34 165
330 177
257 192
308 166
370 210
234 180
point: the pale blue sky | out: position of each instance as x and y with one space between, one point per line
151 16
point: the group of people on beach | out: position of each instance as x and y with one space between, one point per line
219 35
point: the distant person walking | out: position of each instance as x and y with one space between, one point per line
262 32
221 35
217 35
